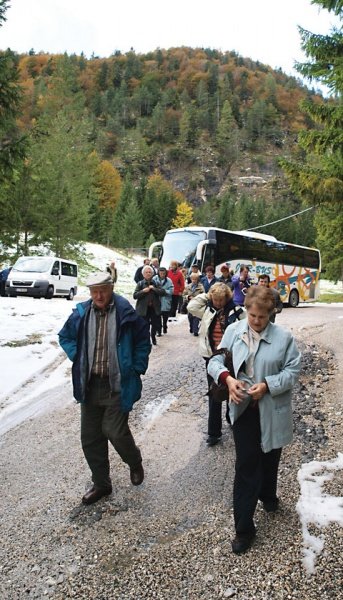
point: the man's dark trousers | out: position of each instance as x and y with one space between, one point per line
102 421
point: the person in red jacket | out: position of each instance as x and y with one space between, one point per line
175 274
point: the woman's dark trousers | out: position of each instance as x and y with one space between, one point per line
255 471
154 321
174 306
194 323
214 411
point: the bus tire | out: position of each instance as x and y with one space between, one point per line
293 299
70 296
49 292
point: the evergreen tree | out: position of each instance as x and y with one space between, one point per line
318 179
127 194
227 137
225 217
132 231
63 183
12 142
329 224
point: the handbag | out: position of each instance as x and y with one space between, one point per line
219 392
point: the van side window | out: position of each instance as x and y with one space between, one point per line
69 270
55 268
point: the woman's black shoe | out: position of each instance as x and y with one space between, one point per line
242 542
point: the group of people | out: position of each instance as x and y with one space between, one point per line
109 342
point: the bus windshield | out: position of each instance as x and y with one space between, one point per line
181 246
32 264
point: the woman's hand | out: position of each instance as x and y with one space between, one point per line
236 389
257 391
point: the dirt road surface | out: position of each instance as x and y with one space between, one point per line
170 538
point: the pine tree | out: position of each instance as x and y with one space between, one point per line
319 178
12 141
329 223
132 231
225 217
227 137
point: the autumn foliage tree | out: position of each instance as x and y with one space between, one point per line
184 215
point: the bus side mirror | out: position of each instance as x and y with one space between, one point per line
55 271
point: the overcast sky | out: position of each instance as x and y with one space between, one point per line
264 30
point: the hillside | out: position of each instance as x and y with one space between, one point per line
191 113
120 149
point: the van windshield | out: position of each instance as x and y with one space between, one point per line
33 264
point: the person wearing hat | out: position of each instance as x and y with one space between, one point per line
109 346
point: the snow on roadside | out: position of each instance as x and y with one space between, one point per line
31 359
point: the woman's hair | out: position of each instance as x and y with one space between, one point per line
261 296
219 290
146 269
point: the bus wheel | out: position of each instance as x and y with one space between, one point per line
70 295
49 292
293 299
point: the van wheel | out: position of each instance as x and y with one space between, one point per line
49 292
293 299
70 295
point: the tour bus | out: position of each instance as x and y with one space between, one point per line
42 277
293 270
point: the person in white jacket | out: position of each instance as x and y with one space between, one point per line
217 311
266 365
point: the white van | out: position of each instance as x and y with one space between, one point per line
42 277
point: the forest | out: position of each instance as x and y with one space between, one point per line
117 150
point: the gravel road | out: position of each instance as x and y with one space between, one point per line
170 539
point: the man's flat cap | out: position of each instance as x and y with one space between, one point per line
99 278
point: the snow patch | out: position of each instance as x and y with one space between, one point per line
316 507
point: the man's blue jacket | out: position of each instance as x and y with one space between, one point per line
133 349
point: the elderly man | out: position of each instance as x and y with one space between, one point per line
148 294
109 346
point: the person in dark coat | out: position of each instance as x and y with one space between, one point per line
148 294
109 346
226 276
138 275
209 278
3 278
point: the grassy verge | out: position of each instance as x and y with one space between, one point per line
327 297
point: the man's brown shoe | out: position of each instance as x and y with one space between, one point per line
137 474
94 494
